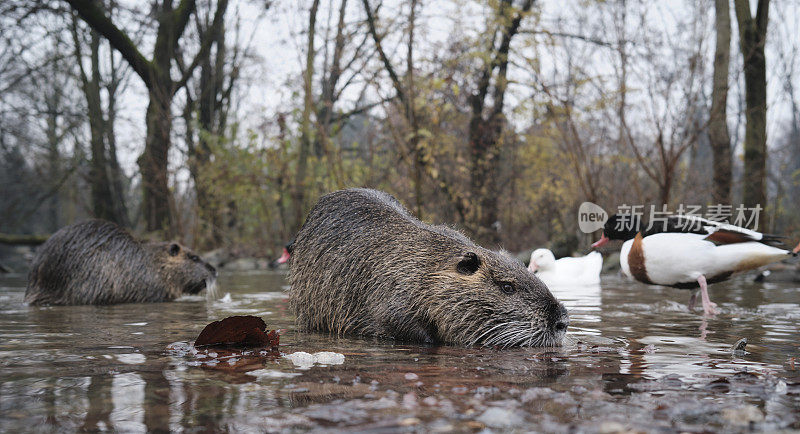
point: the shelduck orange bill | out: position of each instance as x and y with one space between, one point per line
690 252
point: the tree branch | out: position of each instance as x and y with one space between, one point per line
94 15
205 44
182 15
583 38
762 18
398 87
501 58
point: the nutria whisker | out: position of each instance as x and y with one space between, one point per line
477 339
508 337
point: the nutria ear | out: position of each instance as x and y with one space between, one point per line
174 249
469 264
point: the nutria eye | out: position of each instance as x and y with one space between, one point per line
508 288
194 258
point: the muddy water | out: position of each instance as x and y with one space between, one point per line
635 359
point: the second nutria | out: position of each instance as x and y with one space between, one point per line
98 262
363 264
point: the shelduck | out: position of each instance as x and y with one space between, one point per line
566 271
690 252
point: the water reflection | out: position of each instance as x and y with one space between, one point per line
635 359
98 413
583 303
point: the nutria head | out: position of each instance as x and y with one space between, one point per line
488 298
182 270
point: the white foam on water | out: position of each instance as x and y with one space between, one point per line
304 360
211 289
271 373
131 358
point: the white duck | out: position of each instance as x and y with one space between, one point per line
566 271
690 252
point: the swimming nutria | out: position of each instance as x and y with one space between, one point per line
362 264
98 262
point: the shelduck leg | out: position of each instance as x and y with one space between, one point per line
692 300
709 308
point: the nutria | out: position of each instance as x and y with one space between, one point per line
362 264
98 262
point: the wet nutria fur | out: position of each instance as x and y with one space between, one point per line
362 264
98 262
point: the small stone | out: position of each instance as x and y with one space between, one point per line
410 401
411 376
743 415
739 345
535 393
500 417
613 427
410 421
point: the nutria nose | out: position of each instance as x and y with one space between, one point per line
560 318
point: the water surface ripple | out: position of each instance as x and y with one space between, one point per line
635 360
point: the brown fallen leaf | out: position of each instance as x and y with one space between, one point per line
239 331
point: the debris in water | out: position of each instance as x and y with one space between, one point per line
496 417
239 331
271 373
743 415
304 360
739 345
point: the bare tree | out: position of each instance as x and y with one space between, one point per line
752 40
488 121
156 75
718 117
208 103
305 126
104 176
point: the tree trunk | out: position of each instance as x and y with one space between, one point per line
411 113
156 76
305 127
484 144
114 170
102 200
103 206
485 129
115 174
752 38
718 120
153 165
211 122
